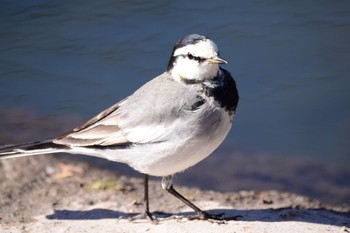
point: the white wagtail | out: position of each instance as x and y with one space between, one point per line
166 126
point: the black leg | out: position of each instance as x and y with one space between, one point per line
145 199
168 186
146 213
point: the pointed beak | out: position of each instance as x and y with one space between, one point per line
217 60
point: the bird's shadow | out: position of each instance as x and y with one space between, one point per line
320 216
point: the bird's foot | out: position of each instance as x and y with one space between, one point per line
145 215
217 218
151 217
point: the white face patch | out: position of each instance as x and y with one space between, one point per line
186 68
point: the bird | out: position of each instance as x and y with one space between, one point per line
169 124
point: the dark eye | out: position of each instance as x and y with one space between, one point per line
190 56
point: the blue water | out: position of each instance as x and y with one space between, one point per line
291 61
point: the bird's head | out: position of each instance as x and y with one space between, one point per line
195 57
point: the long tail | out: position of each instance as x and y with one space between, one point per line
31 148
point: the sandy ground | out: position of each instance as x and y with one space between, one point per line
60 194
47 194
271 223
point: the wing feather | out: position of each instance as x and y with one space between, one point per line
144 117
96 130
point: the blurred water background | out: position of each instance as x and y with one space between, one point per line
290 59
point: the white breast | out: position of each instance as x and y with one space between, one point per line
181 156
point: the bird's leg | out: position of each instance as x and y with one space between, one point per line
146 199
167 184
146 213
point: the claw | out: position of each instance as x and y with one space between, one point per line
205 216
219 218
145 215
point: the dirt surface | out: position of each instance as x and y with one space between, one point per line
65 193
50 194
